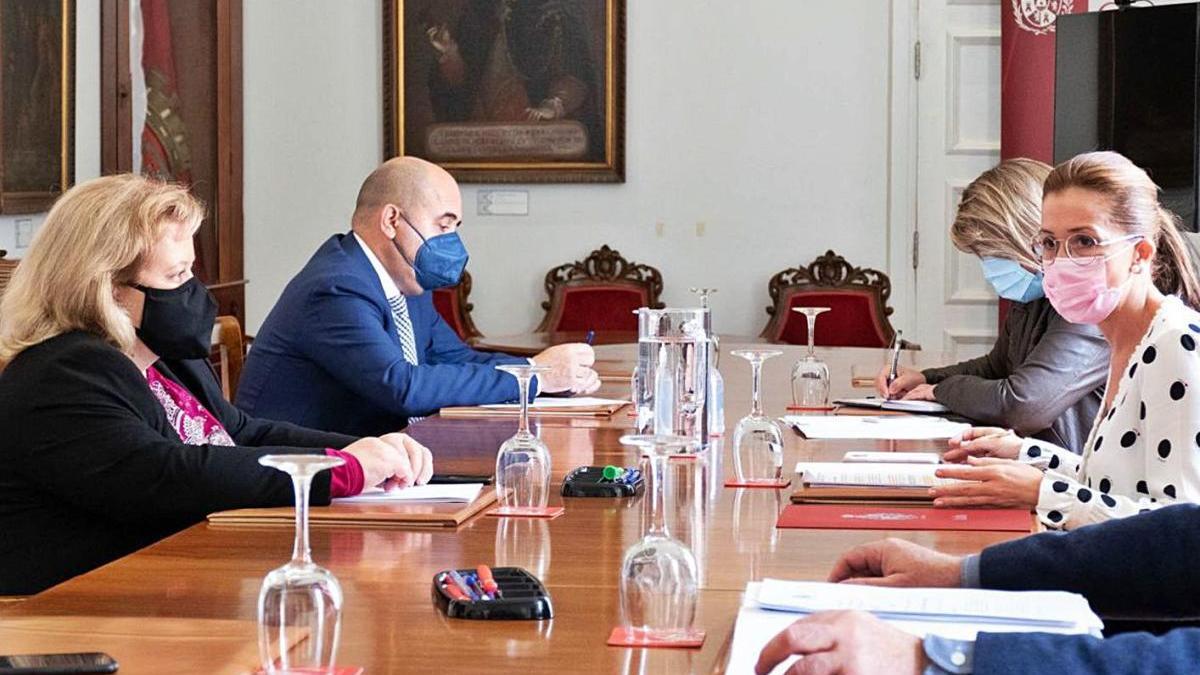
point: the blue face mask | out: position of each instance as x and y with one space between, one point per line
440 260
1012 281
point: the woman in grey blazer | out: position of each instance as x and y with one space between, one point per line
1045 375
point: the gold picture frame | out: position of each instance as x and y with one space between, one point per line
535 92
37 111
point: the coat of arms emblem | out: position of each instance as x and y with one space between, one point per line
1037 16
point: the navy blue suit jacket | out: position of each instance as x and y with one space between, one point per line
1145 565
328 356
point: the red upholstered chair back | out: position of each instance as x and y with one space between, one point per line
599 292
857 298
451 303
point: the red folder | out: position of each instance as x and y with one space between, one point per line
842 517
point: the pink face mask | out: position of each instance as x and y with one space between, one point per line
1080 292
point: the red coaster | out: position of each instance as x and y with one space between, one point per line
625 636
547 512
760 483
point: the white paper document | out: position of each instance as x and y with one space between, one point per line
1028 608
897 405
957 613
552 402
460 493
893 427
871 475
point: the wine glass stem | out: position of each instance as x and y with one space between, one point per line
658 494
301 554
812 334
523 388
755 388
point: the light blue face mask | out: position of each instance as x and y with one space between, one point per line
1012 281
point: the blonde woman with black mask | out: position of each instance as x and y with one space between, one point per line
113 430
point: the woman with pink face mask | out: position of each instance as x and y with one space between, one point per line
1114 257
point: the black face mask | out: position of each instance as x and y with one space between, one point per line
178 323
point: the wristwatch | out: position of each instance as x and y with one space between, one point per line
949 657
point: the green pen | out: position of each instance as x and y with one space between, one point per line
613 473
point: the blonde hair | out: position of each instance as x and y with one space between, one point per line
1001 212
1133 206
93 240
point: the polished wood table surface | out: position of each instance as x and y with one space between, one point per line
190 591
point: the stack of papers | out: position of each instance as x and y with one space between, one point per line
555 403
461 493
879 483
895 427
579 406
877 474
772 605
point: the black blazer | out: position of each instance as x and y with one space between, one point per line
91 470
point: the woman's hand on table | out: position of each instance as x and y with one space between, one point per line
991 442
395 459
1000 483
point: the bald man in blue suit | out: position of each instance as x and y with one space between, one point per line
355 344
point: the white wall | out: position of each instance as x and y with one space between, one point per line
87 114
766 121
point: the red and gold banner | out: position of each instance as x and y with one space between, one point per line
1027 75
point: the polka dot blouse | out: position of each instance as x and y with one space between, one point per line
1144 452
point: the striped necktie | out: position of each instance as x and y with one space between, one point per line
404 328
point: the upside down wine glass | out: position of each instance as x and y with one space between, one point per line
658 573
810 375
757 439
300 602
523 462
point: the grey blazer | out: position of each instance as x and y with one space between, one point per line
1044 378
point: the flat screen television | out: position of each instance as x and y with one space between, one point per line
1126 81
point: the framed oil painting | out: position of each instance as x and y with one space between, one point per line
507 91
37 90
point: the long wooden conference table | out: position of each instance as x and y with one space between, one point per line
187 604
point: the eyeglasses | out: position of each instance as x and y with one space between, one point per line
1082 249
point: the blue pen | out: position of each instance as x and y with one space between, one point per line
473 582
462 585
631 476
591 337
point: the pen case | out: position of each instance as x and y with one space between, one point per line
589 481
522 597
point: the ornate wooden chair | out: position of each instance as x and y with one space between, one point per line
857 297
599 292
228 353
452 304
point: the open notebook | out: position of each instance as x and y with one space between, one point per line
772 605
920 407
424 506
881 483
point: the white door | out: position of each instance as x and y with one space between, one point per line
958 137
